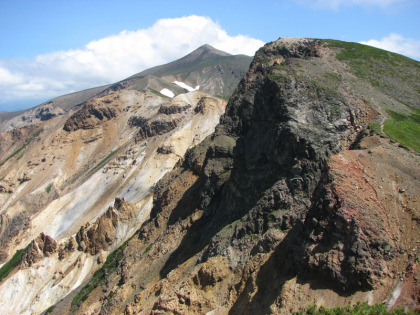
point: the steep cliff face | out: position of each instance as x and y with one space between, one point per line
286 203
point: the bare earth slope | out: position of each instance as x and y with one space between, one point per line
64 181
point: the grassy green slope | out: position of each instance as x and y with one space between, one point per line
394 75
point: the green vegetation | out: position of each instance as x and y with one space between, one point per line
392 73
49 310
358 309
396 76
102 162
281 67
263 60
147 249
13 154
365 59
324 90
324 86
404 128
158 93
284 68
99 276
336 111
225 175
19 157
332 76
281 78
48 188
226 98
376 127
11 264
37 133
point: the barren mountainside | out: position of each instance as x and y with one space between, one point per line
303 189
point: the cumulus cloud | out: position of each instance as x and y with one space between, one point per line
116 57
398 44
335 4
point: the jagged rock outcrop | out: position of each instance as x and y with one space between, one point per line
156 125
98 236
88 117
173 109
47 112
267 157
42 246
67 247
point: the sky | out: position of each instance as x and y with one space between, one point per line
51 48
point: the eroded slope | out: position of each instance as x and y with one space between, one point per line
61 190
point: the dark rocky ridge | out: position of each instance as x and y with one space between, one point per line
157 125
88 117
169 110
263 165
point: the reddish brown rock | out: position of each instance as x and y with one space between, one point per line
42 246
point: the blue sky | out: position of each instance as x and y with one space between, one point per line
50 48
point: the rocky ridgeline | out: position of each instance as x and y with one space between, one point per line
173 109
258 203
89 116
263 167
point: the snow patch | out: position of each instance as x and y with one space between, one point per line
167 93
185 86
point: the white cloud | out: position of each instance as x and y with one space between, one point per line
9 78
116 57
335 4
398 44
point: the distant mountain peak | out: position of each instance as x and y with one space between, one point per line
210 49
204 57
204 52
